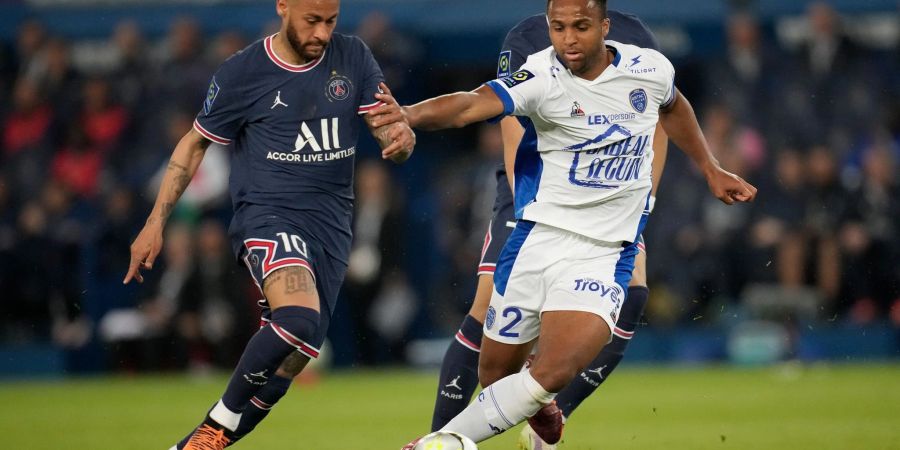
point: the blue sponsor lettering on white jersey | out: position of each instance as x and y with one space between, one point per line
588 170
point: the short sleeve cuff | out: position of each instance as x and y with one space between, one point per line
364 109
210 135
508 105
670 98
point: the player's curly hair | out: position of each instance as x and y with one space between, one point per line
599 3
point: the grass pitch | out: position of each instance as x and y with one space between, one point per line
786 407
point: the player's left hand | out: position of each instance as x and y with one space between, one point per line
403 141
728 187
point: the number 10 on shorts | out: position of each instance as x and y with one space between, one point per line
292 242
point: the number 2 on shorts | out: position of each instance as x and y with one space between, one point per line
517 317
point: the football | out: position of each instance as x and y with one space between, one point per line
445 440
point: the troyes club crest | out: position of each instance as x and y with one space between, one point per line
338 87
638 99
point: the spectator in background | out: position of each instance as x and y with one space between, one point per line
395 52
376 259
184 73
78 163
30 40
225 45
29 309
868 239
131 64
742 78
215 316
55 76
27 137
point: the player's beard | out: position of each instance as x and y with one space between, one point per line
303 49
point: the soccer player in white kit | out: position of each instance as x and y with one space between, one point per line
581 192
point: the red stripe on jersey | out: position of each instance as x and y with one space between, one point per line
366 108
210 136
286 65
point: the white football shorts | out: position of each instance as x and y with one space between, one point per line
543 268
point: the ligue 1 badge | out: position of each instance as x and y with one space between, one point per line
338 87
638 99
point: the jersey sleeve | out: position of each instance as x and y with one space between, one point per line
668 96
521 92
519 43
371 77
222 114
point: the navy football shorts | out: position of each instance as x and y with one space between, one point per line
503 222
265 247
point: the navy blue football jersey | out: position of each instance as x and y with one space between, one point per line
532 35
293 133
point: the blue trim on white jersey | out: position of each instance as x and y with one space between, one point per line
509 254
508 105
528 169
625 265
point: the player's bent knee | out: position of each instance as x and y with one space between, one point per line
298 326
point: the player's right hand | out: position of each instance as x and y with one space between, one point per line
389 112
144 250
728 187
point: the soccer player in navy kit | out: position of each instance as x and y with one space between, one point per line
288 106
529 36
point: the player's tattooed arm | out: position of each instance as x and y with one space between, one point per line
183 164
390 128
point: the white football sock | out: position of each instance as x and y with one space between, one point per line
500 407
224 416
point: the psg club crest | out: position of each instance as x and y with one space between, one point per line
338 87
638 99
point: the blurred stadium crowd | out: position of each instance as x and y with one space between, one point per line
87 126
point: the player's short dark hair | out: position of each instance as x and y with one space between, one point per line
600 4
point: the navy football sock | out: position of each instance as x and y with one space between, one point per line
459 373
290 329
586 382
261 404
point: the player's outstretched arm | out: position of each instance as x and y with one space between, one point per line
182 165
454 110
680 123
389 126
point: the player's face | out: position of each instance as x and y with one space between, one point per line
577 33
308 24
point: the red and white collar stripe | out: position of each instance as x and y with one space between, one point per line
267 43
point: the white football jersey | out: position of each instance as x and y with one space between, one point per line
588 169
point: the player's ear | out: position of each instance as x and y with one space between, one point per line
281 7
605 26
